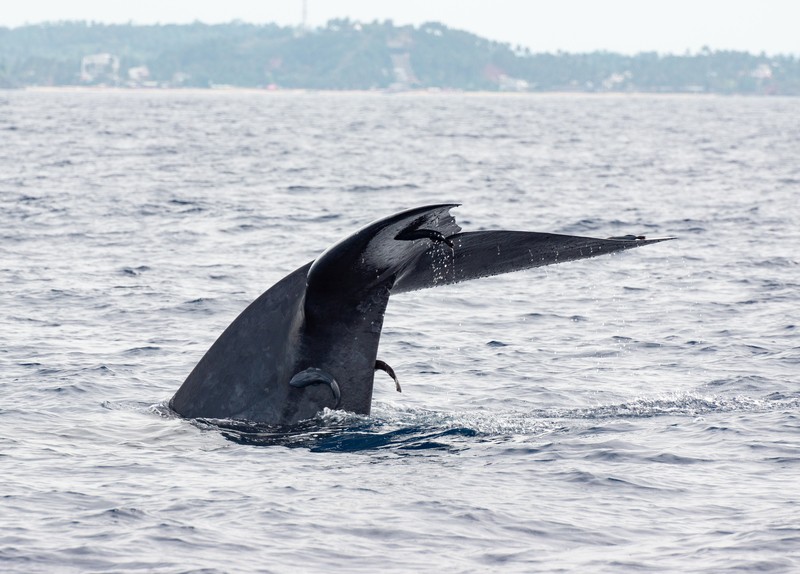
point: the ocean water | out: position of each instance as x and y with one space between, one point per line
630 413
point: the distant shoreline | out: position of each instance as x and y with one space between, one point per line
381 93
361 57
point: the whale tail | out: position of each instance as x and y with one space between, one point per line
485 253
311 340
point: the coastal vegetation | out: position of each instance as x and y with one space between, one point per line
348 55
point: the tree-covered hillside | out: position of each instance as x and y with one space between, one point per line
351 55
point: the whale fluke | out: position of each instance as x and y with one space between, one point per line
314 376
485 253
310 341
383 366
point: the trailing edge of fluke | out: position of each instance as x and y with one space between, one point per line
311 340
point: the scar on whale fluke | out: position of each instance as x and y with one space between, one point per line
311 340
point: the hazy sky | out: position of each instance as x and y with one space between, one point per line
629 26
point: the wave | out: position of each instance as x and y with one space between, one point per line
414 429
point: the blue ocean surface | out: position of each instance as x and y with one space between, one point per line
636 412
